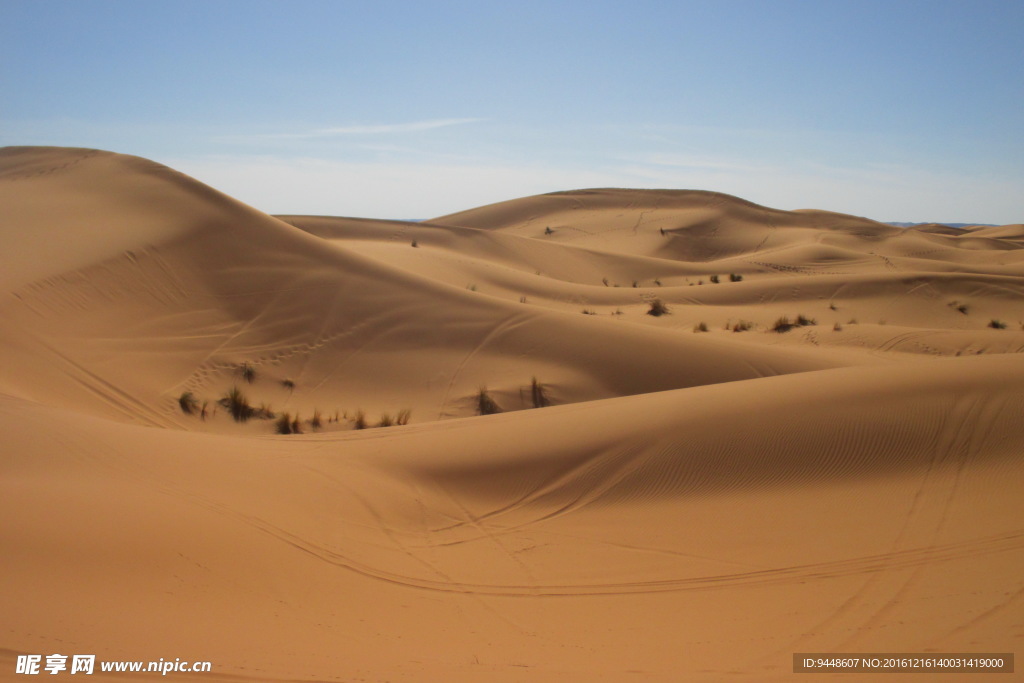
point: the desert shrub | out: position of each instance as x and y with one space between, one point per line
264 412
588 311
851 321
386 421
202 412
837 328
538 395
360 420
700 327
187 402
237 405
485 405
283 424
742 326
317 420
714 279
635 284
403 417
963 308
415 243
548 230
997 324
248 373
832 306
803 321
783 324
471 288
657 281
296 425
288 384
522 299
658 308
605 281
735 277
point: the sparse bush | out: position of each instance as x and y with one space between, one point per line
316 421
714 279
657 282
700 327
288 384
618 311
202 412
837 328
187 402
386 421
264 412
471 288
587 311
803 321
635 284
742 326
360 420
605 281
415 243
296 425
548 230
283 424
248 373
735 277
485 405
403 417
963 308
832 306
851 321
236 403
783 324
997 324
538 395
522 299
658 308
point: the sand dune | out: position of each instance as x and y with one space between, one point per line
692 505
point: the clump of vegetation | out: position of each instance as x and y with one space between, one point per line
316 421
997 324
415 244
264 412
657 281
548 230
202 412
471 288
538 395
700 327
963 308
360 420
851 321
605 281
485 405
283 424
837 328
617 311
288 384
522 299
658 308
386 421
803 321
714 279
635 284
742 326
588 311
296 425
236 403
735 277
248 373
832 306
403 417
784 324
187 402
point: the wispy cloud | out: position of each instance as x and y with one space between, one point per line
353 130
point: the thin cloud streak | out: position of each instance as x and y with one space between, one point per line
368 129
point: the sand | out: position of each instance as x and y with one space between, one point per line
689 506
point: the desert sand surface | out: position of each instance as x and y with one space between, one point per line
693 496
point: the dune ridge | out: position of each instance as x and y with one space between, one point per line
692 504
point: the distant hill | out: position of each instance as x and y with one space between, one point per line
948 225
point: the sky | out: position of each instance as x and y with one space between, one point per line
902 110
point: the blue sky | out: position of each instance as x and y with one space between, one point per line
898 110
